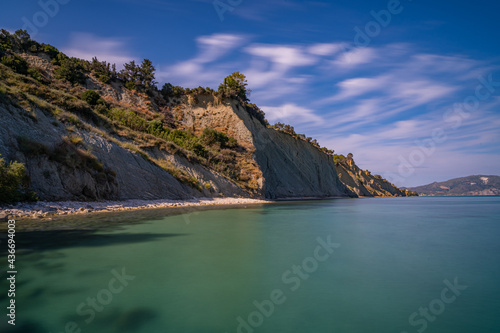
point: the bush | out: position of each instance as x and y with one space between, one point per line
14 183
168 91
211 137
15 62
70 70
235 85
91 97
257 113
37 74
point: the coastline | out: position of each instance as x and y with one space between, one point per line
47 209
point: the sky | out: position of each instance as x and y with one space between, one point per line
411 87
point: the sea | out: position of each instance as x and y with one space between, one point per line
391 265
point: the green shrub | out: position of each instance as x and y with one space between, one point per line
14 183
235 85
213 137
91 97
36 73
18 64
70 70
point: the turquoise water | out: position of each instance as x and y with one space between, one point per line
268 269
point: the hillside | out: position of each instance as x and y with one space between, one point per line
363 183
471 185
84 131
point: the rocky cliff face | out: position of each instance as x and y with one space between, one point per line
284 166
364 184
77 151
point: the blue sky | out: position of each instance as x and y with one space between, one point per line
411 88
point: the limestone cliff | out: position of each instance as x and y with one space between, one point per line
363 183
285 167
90 140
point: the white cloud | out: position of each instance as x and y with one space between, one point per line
217 45
86 46
356 56
358 86
282 56
382 99
291 114
327 49
200 70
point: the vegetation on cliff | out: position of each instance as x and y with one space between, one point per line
128 109
14 183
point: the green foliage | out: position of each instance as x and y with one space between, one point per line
141 77
103 70
37 74
18 64
129 118
71 70
168 91
338 158
91 97
5 41
49 50
235 86
147 74
285 128
14 183
257 113
212 137
21 41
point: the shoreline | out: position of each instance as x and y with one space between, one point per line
48 209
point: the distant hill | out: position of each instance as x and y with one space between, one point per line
471 185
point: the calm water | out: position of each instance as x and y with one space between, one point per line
269 269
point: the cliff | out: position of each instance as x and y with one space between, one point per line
85 132
471 185
363 183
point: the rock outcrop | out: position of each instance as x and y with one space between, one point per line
76 150
364 184
286 166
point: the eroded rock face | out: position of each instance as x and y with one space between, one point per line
288 167
363 183
125 174
273 164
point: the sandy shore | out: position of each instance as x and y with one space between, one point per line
44 209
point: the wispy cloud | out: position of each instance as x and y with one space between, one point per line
291 113
86 46
201 69
376 102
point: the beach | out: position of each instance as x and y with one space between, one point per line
45 209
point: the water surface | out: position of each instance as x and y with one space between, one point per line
219 270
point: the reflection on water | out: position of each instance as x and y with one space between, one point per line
150 271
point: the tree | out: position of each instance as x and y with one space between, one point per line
14 183
102 70
130 74
15 62
139 76
91 97
235 85
70 70
147 74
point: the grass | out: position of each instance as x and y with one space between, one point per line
136 129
